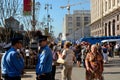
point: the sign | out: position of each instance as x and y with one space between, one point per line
27 9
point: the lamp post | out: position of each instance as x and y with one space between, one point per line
33 42
47 7
33 17
35 7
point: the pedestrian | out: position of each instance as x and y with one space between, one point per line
69 56
116 49
105 52
78 55
27 52
94 64
5 47
54 49
12 64
87 50
44 63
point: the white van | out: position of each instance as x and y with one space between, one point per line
111 41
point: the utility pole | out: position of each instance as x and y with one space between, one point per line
33 17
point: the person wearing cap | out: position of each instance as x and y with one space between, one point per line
44 63
12 63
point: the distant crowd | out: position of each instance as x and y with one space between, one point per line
45 60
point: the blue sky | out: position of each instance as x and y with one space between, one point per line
58 14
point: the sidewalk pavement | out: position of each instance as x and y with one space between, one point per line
111 71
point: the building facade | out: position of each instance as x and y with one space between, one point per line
105 17
75 25
14 24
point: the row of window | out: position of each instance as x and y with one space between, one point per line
100 31
110 3
77 24
99 26
97 32
94 27
79 18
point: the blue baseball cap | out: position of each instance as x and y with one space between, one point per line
16 40
42 38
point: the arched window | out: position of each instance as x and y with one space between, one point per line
105 29
109 29
113 3
113 27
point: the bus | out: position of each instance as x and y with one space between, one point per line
94 40
111 41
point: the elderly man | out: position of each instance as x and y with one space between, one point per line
44 63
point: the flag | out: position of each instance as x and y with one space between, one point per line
27 7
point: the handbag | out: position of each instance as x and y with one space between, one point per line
60 60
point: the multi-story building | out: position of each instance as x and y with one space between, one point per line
76 25
105 17
13 24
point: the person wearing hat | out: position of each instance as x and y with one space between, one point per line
12 63
44 63
7 46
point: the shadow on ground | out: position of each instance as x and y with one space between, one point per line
111 72
26 76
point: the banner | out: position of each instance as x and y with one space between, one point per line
27 7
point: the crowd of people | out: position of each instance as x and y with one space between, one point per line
92 57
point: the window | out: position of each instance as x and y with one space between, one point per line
113 2
77 18
85 23
118 1
117 27
109 4
117 17
70 31
100 31
70 24
105 5
78 24
86 18
69 18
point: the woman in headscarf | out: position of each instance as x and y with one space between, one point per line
94 64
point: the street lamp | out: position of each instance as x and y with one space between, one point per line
33 42
47 7
33 15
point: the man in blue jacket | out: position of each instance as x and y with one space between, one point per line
44 63
12 63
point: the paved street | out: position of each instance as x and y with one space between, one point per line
111 72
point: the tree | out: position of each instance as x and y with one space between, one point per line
13 8
8 8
